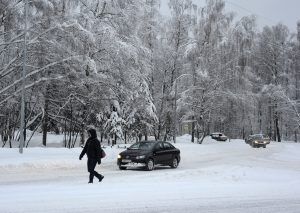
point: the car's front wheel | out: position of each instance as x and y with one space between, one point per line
150 165
174 163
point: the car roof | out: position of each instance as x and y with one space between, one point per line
152 142
147 141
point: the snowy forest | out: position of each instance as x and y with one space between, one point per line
132 72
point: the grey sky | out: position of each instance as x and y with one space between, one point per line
268 12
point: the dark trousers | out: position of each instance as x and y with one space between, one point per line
91 164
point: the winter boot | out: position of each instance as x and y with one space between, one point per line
101 178
91 178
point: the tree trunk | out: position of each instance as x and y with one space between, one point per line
82 139
65 133
202 138
270 121
45 121
70 138
74 139
165 137
158 131
102 135
278 136
115 140
260 117
193 130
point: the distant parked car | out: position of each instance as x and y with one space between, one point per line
218 136
258 140
149 154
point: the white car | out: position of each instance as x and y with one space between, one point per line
218 136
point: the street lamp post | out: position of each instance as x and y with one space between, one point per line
22 122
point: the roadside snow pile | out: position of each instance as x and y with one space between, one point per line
53 140
38 158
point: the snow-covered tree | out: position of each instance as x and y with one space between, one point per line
131 72
208 68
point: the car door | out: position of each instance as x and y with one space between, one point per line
168 153
158 153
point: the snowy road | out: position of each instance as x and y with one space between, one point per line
212 177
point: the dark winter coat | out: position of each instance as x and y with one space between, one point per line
92 147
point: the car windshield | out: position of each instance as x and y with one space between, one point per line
142 145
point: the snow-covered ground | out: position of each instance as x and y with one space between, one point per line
212 177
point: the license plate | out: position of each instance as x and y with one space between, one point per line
126 161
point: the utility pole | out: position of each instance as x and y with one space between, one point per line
22 123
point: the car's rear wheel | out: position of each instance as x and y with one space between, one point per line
174 163
150 165
264 146
122 167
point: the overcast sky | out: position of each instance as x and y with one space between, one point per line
268 12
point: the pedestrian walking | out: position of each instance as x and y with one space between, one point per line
92 149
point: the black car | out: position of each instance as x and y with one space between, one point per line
149 154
